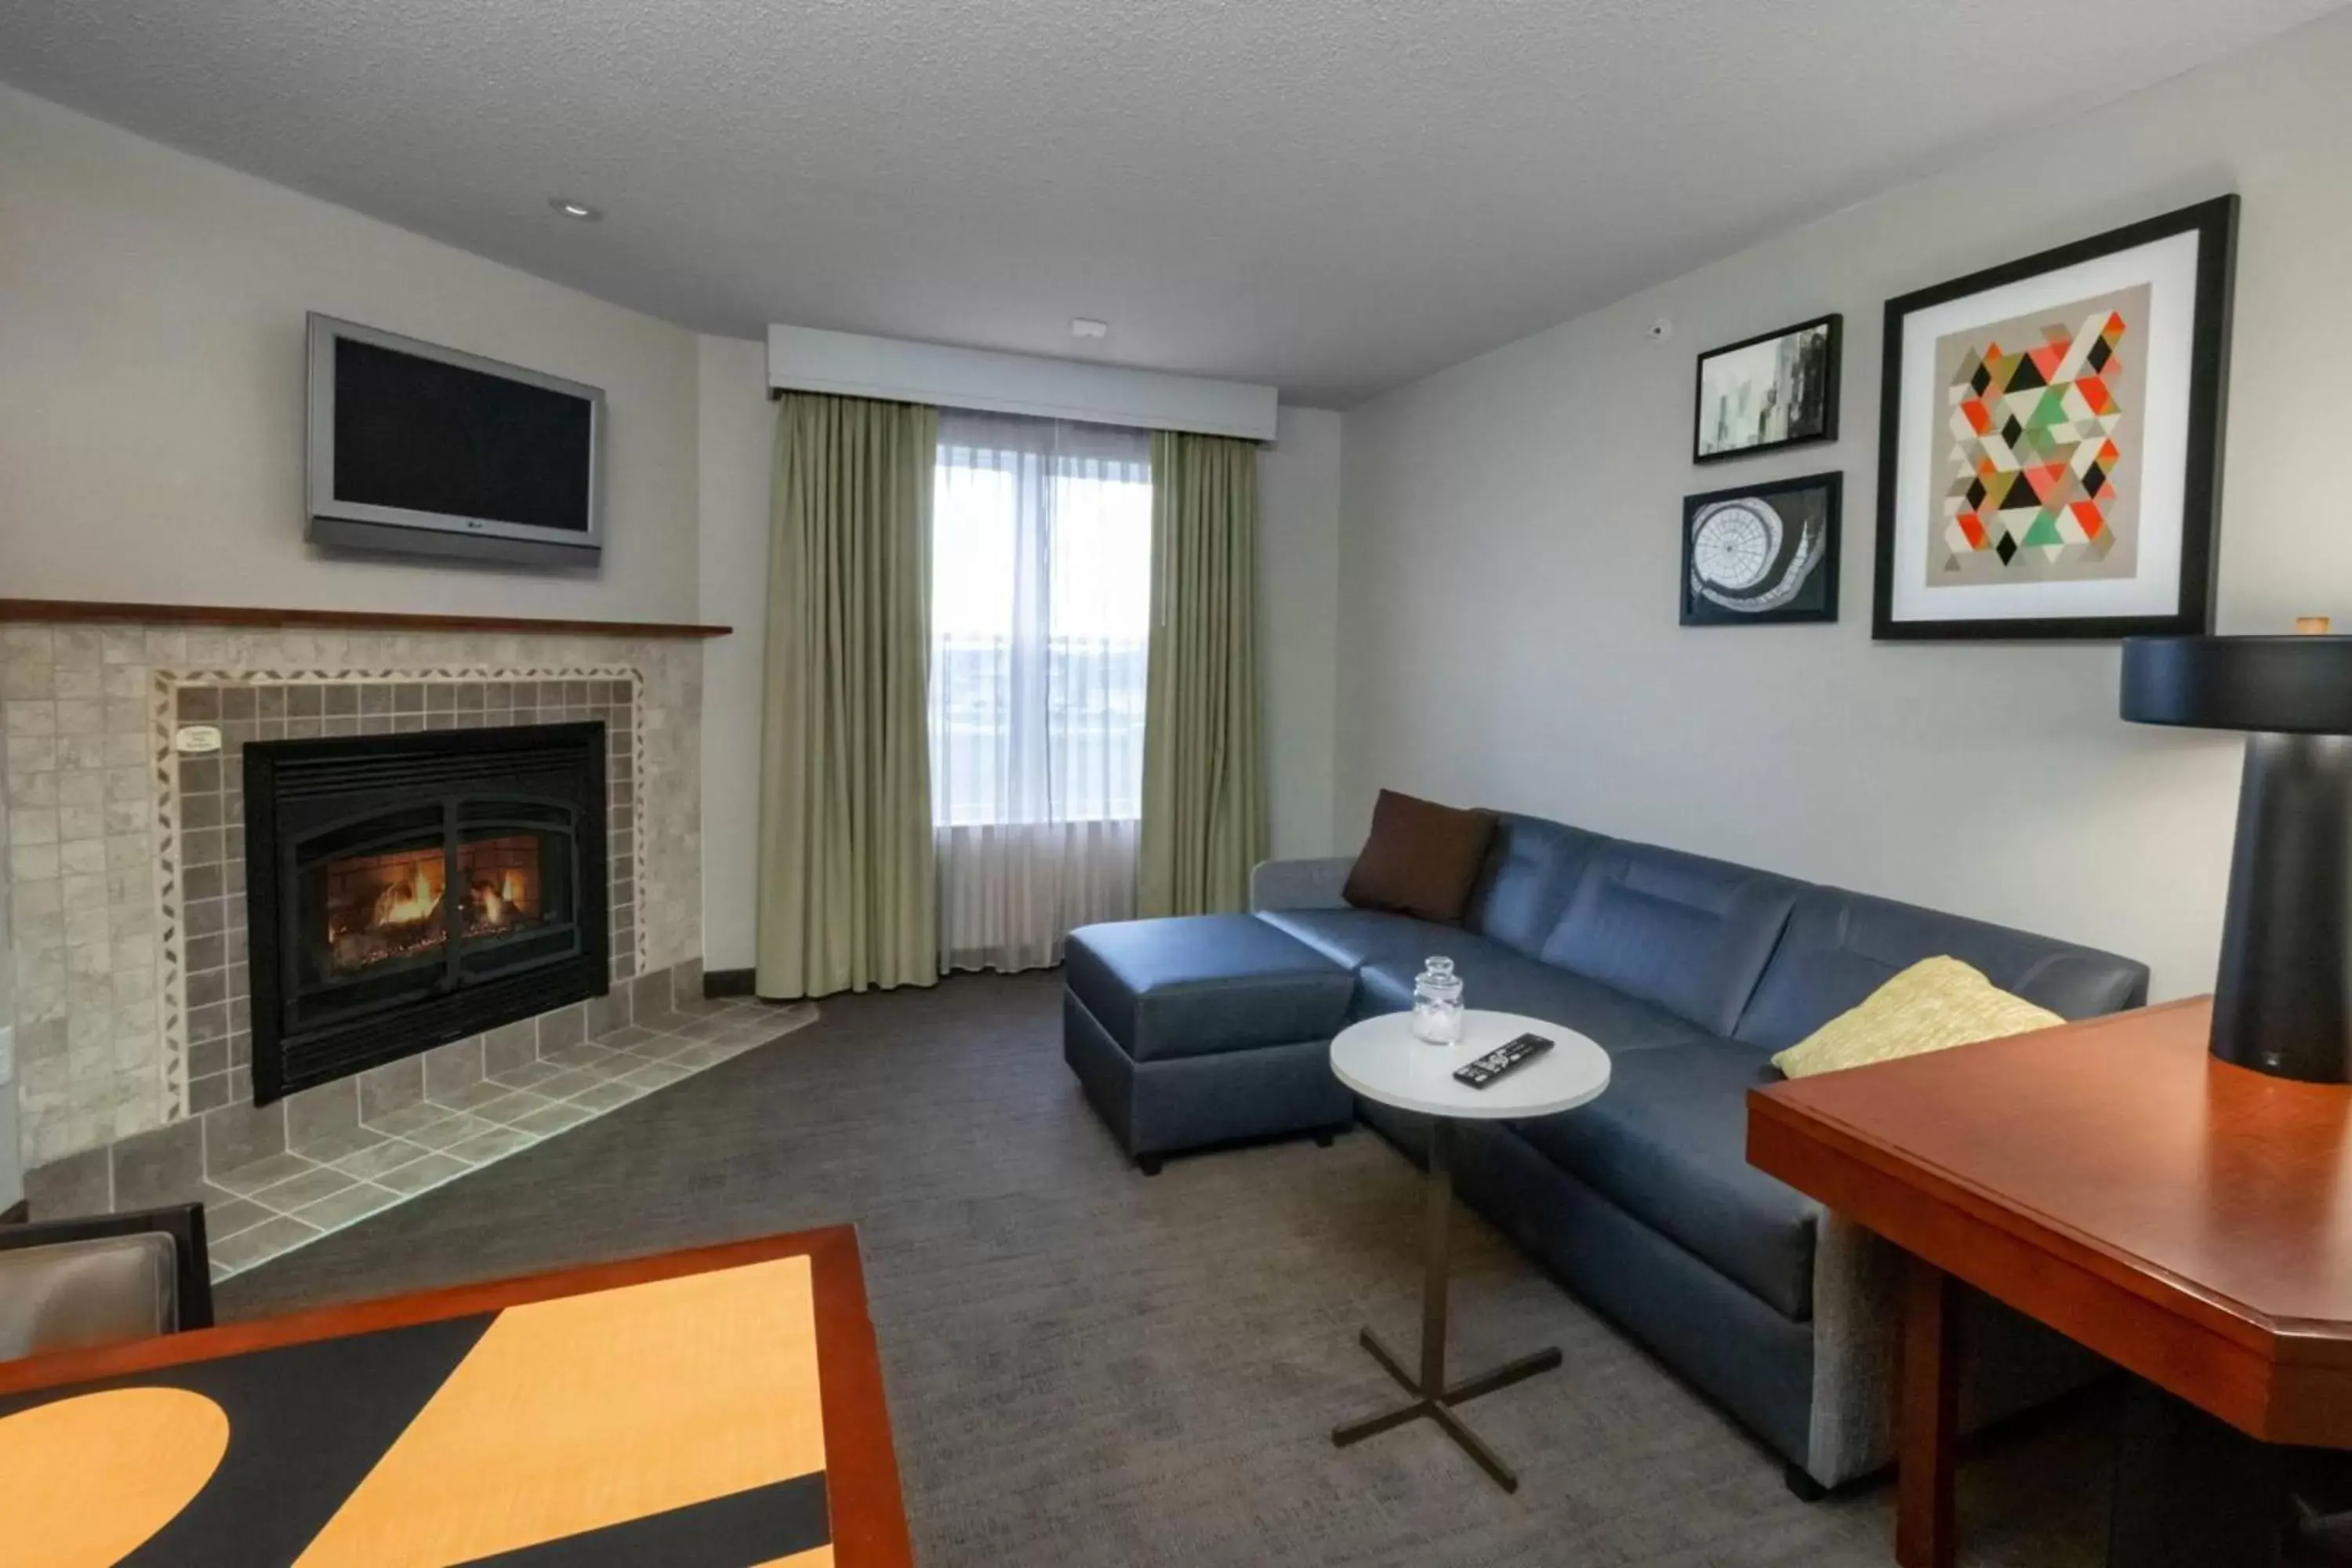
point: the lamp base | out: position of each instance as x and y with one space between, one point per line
2283 1004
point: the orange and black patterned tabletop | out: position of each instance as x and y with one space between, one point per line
719 1408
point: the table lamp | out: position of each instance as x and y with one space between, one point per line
2282 1003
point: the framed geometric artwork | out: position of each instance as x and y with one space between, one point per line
1762 553
1777 389
2050 439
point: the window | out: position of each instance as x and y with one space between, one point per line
1041 604
1041 614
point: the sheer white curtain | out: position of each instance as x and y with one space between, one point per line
1041 606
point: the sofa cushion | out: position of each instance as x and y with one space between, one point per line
1689 934
1532 873
1194 985
1505 983
1669 1143
1422 859
1841 947
1358 936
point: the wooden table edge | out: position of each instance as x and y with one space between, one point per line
2151 1281
864 1495
2194 1342
862 1486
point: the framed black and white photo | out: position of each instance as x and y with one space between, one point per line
1776 390
1762 553
2050 439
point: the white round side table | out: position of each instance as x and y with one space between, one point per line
1381 1059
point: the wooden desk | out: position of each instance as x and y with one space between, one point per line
2188 1220
717 1405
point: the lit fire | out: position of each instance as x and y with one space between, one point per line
408 910
409 902
503 902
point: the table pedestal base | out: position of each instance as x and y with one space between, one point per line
1433 1397
1440 1409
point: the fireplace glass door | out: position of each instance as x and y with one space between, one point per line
515 877
407 890
422 899
371 908
415 889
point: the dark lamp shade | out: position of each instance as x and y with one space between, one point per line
2282 685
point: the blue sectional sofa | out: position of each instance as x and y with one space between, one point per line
1690 973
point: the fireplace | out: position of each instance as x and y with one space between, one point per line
407 890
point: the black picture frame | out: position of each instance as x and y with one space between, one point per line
1819 595
1833 386
2215 222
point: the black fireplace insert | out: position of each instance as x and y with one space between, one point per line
407 890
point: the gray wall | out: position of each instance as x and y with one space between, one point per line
1298 626
1510 553
12 1158
736 421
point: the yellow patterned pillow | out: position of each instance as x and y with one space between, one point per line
1935 1004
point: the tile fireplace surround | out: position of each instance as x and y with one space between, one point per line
123 864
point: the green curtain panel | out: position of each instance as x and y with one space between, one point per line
1203 778
846 898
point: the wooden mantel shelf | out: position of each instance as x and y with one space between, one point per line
372 620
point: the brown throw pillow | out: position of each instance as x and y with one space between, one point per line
1422 859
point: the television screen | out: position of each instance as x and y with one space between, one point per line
416 449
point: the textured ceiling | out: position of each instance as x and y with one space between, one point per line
1333 195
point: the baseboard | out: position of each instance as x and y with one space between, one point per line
729 982
16 1213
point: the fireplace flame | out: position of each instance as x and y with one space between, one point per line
505 901
385 908
410 901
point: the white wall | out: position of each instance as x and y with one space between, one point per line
1298 521
1510 555
1298 625
151 386
738 423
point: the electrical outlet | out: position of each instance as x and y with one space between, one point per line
7 1054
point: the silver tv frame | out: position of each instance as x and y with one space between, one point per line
357 525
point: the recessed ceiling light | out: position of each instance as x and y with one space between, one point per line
1088 327
578 211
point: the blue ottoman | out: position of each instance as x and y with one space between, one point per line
1203 1029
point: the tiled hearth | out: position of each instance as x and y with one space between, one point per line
123 864
393 1133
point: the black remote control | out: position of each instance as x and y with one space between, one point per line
1501 1059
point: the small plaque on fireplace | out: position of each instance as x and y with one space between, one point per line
194 740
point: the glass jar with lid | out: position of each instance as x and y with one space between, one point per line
1437 1002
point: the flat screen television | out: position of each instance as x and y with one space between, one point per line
431 451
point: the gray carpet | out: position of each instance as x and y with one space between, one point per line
1096 1370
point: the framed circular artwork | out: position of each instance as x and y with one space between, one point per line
1762 553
